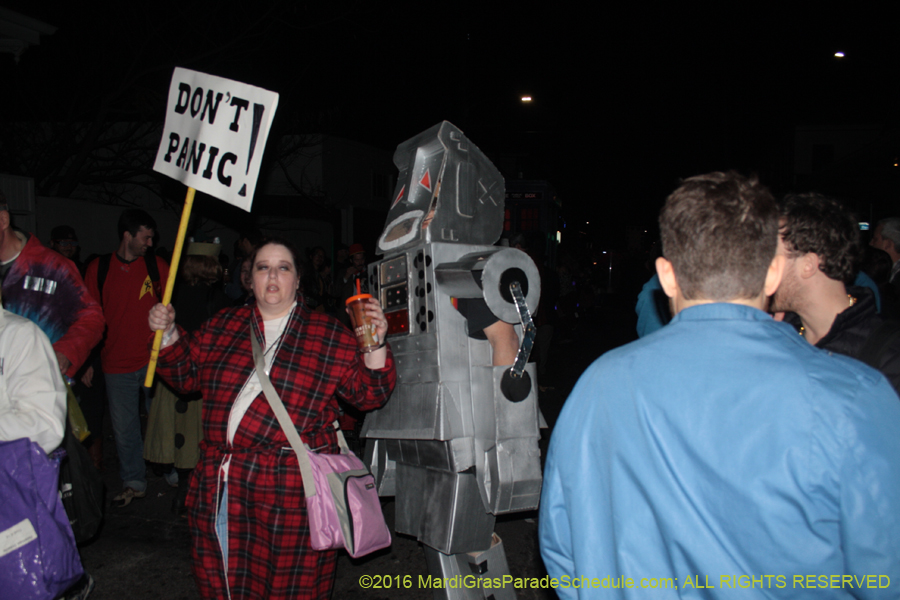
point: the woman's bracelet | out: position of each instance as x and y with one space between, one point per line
379 346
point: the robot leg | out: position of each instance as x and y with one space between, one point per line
471 575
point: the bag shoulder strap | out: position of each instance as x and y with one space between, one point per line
284 419
102 270
152 267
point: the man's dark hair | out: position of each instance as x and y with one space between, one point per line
63 232
817 223
132 219
720 232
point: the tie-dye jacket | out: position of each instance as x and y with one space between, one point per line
45 287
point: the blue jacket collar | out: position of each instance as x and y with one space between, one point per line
721 310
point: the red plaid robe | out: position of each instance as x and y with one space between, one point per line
269 556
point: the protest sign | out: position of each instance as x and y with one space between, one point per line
215 133
213 141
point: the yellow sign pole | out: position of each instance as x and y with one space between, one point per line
170 283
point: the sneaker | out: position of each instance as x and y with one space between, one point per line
81 590
127 495
172 478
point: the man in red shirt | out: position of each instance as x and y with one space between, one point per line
127 290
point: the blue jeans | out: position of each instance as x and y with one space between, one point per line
123 391
222 526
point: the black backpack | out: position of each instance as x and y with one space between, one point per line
81 489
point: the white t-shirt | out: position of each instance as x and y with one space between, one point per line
273 331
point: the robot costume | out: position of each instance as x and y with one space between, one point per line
457 444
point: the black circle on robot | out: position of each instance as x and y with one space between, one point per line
508 276
515 389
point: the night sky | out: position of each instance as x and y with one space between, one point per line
626 100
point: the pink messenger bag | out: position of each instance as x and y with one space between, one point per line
341 499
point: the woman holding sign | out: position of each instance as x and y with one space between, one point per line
247 509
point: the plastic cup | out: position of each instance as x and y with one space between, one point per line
364 329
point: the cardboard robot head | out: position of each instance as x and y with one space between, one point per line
447 191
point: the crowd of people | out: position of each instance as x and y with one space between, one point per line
242 494
725 450
749 431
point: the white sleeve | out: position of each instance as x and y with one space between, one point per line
33 403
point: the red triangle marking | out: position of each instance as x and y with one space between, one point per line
399 196
425 182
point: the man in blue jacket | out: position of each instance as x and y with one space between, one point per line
724 454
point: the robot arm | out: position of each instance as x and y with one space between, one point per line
516 383
508 281
504 343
